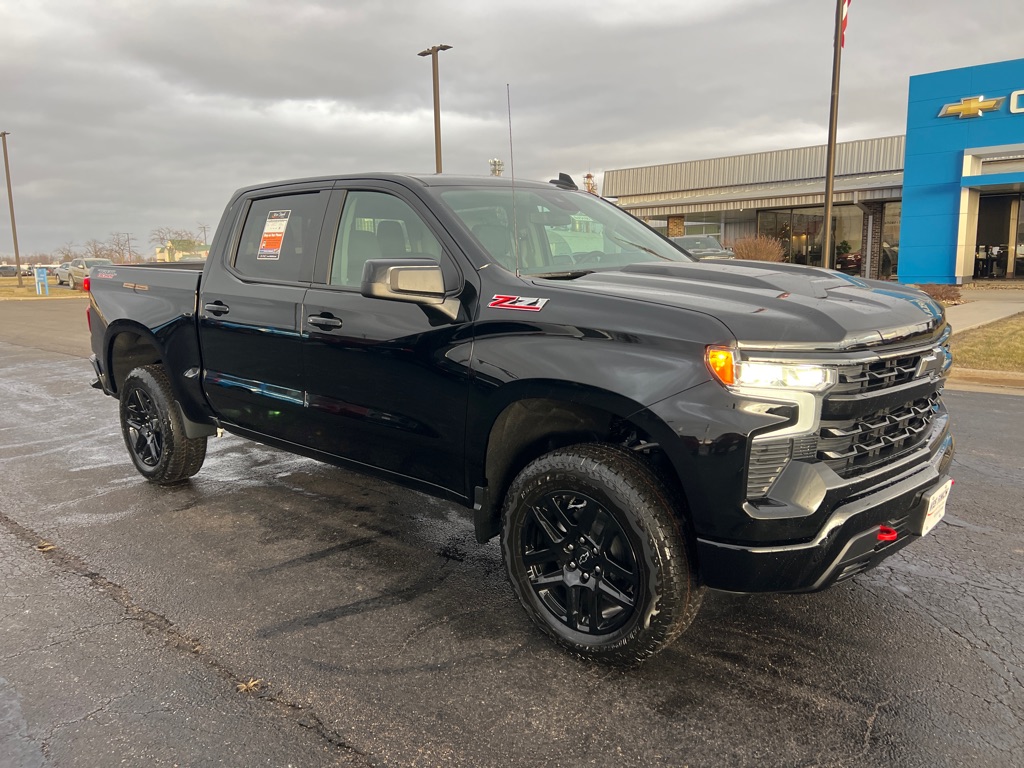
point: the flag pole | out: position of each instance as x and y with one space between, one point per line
827 248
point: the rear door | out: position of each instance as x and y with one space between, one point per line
387 381
249 311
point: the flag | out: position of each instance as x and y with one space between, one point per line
846 11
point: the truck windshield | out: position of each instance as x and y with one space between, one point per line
555 231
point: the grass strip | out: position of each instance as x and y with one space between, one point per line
998 346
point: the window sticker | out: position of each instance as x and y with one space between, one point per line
273 235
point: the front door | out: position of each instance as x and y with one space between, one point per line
387 382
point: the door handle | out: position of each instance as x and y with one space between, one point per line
324 321
216 308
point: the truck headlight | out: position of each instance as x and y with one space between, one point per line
726 366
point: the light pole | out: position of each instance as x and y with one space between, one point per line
10 198
128 239
432 53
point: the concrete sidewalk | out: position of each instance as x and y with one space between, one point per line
984 306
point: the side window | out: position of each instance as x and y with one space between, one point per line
280 236
377 225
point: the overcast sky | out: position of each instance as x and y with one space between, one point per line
128 116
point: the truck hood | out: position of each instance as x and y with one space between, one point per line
781 306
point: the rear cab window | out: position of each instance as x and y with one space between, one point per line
279 238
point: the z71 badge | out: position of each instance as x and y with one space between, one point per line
522 303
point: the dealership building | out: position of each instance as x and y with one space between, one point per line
941 204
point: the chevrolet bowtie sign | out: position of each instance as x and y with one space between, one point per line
976 106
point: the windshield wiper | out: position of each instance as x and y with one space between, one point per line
639 247
572 275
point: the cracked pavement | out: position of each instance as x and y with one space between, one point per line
384 635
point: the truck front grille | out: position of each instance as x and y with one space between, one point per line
852 446
877 375
878 411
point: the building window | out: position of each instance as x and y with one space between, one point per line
890 240
801 231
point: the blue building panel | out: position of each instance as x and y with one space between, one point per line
931 168
937 197
925 87
934 164
940 267
933 231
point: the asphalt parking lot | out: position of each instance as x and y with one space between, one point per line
382 634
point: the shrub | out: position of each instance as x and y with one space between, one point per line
945 294
760 248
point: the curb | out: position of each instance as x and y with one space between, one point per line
991 378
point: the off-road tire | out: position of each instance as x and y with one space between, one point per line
153 430
641 589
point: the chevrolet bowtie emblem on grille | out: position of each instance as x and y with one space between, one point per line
972 106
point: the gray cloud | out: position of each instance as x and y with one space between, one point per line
127 116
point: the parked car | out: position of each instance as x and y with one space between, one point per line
62 272
79 270
8 270
703 247
849 263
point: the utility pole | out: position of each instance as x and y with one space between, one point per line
203 227
432 53
128 239
10 199
827 255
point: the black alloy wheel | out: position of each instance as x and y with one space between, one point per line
580 563
145 434
154 431
596 552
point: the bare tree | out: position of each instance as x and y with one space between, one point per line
161 235
181 240
120 244
65 252
94 249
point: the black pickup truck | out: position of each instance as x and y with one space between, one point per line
637 426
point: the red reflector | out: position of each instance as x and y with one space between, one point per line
885 533
88 318
85 284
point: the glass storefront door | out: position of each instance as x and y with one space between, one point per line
998 240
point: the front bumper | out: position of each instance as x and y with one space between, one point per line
847 544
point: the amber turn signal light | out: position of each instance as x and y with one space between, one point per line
721 363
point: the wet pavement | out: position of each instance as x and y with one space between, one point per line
382 634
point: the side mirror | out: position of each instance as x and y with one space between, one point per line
418 281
